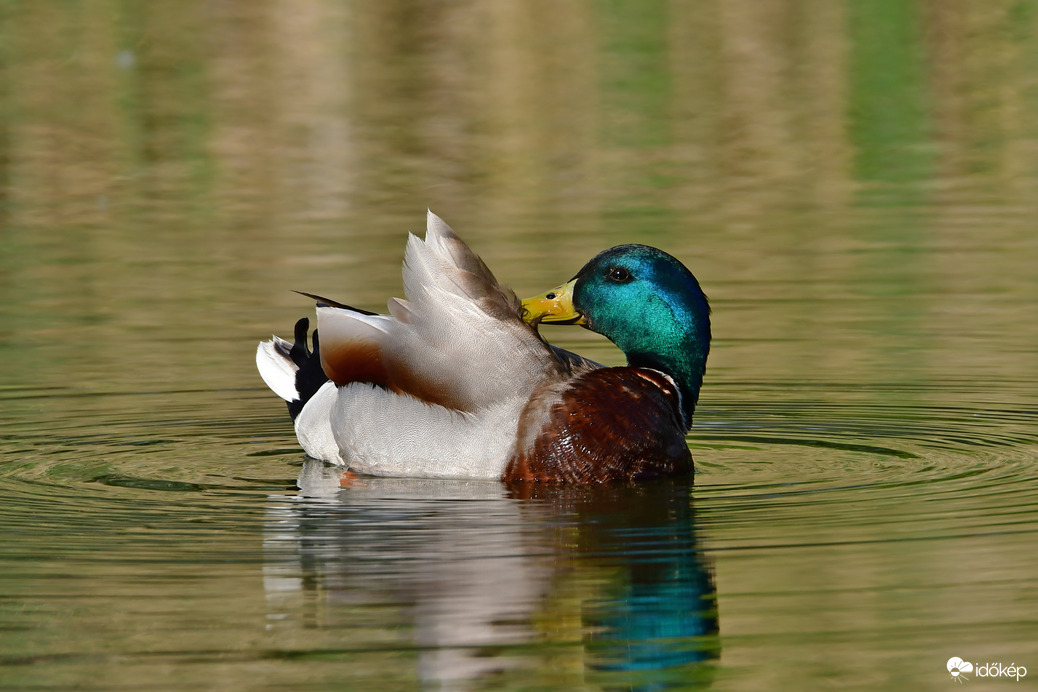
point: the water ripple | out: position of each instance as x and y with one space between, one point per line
916 459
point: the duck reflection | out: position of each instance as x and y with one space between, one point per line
490 585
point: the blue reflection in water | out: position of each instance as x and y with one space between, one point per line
658 618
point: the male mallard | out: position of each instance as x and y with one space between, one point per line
455 382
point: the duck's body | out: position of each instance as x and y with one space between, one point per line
454 383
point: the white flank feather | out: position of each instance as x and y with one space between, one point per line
436 442
313 425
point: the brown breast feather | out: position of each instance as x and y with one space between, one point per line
609 424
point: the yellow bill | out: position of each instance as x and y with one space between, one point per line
555 306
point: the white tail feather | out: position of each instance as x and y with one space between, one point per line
277 369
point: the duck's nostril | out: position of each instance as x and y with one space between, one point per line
550 296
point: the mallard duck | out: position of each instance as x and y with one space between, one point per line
456 382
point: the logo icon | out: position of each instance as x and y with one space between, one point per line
956 666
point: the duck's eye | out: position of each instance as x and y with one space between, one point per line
619 275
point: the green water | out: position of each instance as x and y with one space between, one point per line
854 184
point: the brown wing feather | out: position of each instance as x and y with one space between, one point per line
345 362
354 361
352 351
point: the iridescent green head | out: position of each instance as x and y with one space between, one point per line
644 301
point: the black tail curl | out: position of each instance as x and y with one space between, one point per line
310 377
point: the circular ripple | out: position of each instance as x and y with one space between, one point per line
895 471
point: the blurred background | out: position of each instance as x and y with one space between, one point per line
814 158
855 184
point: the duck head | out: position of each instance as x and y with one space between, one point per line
647 303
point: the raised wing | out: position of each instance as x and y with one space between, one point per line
458 340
